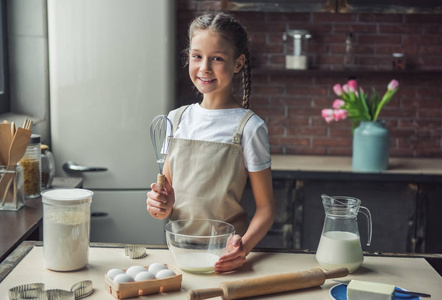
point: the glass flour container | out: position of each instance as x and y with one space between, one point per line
66 228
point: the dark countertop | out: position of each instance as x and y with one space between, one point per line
17 226
340 168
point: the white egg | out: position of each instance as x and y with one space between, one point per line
156 267
134 270
165 274
114 272
143 276
123 278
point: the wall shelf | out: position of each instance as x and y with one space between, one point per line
356 72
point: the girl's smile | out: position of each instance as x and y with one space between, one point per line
206 80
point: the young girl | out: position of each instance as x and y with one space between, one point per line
218 143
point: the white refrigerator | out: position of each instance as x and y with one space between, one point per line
111 66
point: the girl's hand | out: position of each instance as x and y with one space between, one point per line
160 200
235 257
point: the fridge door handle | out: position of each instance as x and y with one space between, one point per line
71 167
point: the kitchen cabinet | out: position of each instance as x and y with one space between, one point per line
405 202
343 73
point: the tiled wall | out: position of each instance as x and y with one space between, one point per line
28 70
291 102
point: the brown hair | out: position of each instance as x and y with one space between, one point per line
229 28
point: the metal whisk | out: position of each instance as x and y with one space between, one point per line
161 134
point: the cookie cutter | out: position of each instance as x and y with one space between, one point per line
135 252
36 291
27 291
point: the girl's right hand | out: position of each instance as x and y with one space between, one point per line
160 200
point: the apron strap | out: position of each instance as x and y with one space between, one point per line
238 134
177 117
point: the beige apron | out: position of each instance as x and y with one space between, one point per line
209 178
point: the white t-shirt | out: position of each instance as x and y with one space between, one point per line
219 125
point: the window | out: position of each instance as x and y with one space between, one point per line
4 79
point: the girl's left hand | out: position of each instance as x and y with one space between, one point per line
235 257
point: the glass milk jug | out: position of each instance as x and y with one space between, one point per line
340 245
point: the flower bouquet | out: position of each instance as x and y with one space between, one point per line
357 105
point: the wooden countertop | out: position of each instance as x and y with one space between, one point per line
411 273
16 226
340 167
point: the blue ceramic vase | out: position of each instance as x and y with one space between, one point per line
371 141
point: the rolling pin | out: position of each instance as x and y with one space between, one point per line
268 284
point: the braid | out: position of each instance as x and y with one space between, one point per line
246 80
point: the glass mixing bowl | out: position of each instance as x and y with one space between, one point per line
196 245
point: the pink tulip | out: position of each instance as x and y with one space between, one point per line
338 103
393 85
327 114
352 85
340 114
337 89
345 88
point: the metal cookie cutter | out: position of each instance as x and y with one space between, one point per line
59 294
135 252
82 289
27 291
35 291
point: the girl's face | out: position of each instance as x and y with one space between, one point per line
212 64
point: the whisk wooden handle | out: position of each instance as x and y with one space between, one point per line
161 180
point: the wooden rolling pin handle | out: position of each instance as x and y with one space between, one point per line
205 293
336 273
244 288
161 180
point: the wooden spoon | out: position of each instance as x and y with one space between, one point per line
16 151
5 142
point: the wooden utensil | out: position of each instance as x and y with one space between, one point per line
268 284
16 151
5 142
19 143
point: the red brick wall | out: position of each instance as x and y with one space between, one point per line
291 102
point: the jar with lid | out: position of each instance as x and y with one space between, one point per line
31 163
66 227
47 167
398 61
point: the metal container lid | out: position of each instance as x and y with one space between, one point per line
35 138
67 196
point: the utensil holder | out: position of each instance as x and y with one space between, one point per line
12 196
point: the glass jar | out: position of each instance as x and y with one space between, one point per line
47 167
31 163
398 61
66 227
12 197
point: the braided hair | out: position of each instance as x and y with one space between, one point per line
229 28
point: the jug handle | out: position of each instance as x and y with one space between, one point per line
367 213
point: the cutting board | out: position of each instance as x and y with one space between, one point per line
410 273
